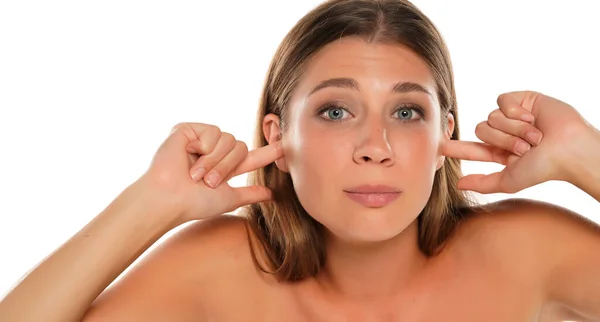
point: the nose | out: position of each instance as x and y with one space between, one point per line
374 147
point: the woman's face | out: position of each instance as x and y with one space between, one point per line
362 140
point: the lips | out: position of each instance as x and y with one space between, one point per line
373 196
373 189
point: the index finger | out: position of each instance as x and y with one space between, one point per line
259 158
474 151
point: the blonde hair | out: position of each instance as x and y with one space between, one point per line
289 239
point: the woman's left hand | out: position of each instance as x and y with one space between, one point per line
538 138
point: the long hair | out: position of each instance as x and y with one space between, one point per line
289 240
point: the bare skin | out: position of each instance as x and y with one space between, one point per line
516 260
491 271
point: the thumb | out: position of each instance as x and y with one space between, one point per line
251 194
481 183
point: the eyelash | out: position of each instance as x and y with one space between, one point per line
333 105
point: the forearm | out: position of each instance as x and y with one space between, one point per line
63 286
585 171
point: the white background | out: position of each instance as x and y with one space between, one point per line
88 90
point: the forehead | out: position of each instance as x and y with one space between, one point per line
371 64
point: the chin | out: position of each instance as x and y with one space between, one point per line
369 225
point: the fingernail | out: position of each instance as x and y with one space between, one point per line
212 179
522 148
527 118
197 174
534 138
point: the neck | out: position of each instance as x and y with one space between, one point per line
372 270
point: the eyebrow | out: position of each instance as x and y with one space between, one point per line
349 83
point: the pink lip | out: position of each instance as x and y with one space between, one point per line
373 196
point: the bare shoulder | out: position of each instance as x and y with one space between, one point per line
541 246
525 224
181 275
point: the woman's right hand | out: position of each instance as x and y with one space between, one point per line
191 168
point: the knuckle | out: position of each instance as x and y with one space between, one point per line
504 99
500 99
480 133
228 140
242 145
227 137
178 126
213 129
494 116
512 111
209 136
480 128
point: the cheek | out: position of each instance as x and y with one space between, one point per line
313 155
418 148
318 164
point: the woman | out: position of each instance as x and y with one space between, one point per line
357 209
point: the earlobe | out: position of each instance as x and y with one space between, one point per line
272 132
440 163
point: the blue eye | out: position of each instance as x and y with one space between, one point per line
333 113
408 113
405 113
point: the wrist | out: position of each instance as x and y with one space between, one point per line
583 171
151 205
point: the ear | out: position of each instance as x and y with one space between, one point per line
272 132
449 130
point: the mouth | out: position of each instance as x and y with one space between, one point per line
373 196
